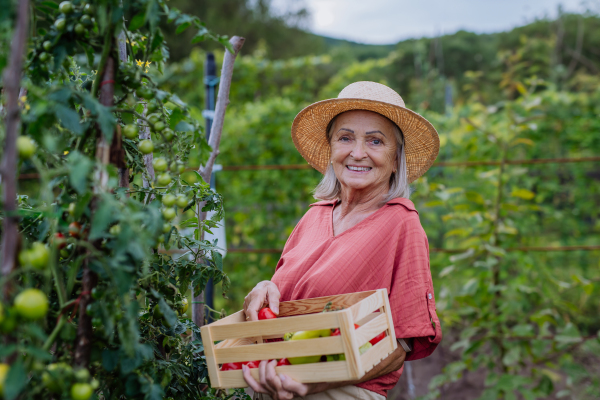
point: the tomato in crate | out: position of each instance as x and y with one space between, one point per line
343 335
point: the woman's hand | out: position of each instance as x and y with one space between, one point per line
279 387
265 293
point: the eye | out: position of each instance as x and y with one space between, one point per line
344 139
376 141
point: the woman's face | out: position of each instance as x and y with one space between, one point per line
363 150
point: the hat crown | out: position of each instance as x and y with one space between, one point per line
371 91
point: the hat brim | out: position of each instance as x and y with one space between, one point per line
309 132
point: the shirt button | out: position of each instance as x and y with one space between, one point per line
429 296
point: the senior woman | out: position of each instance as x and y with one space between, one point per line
365 234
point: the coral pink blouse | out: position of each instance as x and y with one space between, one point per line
388 249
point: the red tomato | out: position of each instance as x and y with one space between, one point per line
377 338
273 340
266 313
60 241
251 364
231 366
75 229
283 361
336 331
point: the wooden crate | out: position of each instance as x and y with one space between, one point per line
233 339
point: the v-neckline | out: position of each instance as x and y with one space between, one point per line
331 230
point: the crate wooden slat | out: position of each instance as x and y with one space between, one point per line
233 339
277 350
307 373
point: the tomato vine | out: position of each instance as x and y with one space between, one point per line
95 305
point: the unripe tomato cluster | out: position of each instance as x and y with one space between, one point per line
29 305
60 378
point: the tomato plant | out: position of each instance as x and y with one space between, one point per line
100 312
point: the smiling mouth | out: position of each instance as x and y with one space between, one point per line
358 169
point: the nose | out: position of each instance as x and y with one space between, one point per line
359 151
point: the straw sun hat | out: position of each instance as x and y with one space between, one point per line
309 130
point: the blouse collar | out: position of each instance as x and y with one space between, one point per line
398 200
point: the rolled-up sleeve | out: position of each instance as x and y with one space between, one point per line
412 299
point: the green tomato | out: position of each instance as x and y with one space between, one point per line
115 230
31 304
146 146
81 391
47 45
86 20
79 29
182 201
145 93
184 306
303 335
66 7
342 357
82 375
153 118
159 164
3 372
169 213
152 107
166 228
60 24
97 293
44 57
26 147
159 126
130 131
95 384
88 9
71 208
39 255
25 258
169 200
164 179
161 239
168 134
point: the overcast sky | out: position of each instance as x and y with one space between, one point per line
389 21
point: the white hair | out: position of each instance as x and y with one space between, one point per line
330 188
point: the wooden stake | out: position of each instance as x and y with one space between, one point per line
215 139
12 82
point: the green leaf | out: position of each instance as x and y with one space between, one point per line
15 380
224 40
182 27
512 356
183 126
167 312
137 21
69 118
523 194
103 217
176 116
470 287
107 122
79 168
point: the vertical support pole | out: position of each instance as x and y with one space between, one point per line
11 82
210 82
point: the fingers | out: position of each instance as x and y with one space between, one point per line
270 380
254 305
273 296
290 385
257 387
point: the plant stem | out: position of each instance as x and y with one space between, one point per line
54 334
103 59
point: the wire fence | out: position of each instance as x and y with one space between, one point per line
437 164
